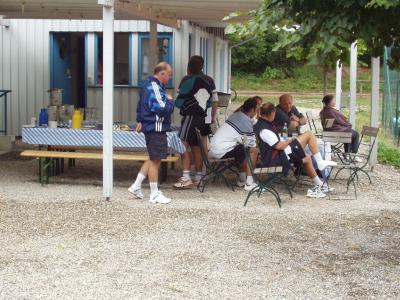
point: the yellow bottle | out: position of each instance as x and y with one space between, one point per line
77 119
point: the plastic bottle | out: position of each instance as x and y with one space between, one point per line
43 117
285 132
77 119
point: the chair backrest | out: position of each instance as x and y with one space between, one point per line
327 123
224 99
371 132
204 154
336 137
311 121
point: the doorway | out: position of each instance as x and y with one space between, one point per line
68 66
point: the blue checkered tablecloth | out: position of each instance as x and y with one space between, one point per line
94 138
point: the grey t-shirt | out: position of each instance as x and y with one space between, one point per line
283 117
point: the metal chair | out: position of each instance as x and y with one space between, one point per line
312 123
265 177
215 167
352 165
224 100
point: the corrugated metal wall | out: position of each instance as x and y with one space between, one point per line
25 66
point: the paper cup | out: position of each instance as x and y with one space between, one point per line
52 124
33 121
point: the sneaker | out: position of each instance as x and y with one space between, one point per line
240 183
322 165
327 189
249 187
315 192
183 183
136 192
159 198
357 159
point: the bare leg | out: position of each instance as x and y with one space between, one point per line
144 170
186 158
308 167
198 160
309 139
153 170
253 156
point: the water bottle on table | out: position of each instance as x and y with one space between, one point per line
285 132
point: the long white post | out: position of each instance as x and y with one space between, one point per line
353 83
338 85
108 96
375 70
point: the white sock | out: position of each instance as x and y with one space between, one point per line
198 176
242 176
317 181
186 174
138 182
249 180
153 188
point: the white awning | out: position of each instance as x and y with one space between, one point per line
166 12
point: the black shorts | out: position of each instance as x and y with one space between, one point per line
297 155
188 126
237 153
157 145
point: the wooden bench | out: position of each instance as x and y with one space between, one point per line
47 159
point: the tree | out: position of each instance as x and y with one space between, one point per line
322 31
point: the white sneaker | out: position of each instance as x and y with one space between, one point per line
136 192
249 187
358 159
240 183
159 198
183 183
327 189
315 192
323 164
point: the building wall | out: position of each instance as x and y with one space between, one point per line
25 65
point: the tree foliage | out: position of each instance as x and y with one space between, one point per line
322 31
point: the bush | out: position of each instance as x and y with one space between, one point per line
272 73
388 155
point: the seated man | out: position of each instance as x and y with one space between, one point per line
275 151
231 138
287 113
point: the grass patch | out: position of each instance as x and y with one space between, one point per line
388 155
305 79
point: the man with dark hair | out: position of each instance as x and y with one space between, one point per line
277 152
153 115
194 98
233 136
287 113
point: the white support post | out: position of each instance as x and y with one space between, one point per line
108 96
375 70
153 50
338 85
353 83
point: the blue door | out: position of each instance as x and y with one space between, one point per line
60 64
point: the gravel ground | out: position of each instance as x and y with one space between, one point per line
64 241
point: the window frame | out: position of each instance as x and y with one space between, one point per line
162 35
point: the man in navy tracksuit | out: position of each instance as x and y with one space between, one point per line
153 115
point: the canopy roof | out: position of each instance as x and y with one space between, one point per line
167 12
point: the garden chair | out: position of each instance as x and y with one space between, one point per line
265 177
355 168
215 167
312 122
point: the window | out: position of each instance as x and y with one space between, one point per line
122 50
204 52
164 43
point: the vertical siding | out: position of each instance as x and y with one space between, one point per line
25 65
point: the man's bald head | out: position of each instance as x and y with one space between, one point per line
286 102
163 72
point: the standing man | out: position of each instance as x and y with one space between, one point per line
287 113
194 99
153 115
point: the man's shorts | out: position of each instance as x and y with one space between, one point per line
297 155
237 153
188 126
157 145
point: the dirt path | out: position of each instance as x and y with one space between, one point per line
248 93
